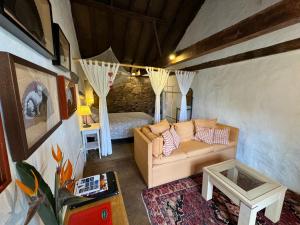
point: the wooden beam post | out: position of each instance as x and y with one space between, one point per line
257 53
277 16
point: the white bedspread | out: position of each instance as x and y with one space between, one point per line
122 124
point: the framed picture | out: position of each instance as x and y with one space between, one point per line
61 49
67 97
5 177
30 21
30 104
74 77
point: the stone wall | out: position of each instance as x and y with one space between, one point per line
135 94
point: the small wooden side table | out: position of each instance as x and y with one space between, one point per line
93 130
246 187
119 215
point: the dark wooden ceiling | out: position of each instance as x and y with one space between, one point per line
139 31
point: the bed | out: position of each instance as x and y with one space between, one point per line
122 124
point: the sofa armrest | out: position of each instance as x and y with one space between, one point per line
143 155
234 132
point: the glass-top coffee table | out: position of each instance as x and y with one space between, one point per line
247 188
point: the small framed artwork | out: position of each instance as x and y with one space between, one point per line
30 21
67 97
5 177
61 49
30 104
74 77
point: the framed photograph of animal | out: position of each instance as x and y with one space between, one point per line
31 22
61 49
30 104
67 97
5 177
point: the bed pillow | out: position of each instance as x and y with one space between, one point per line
169 145
160 127
205 134
221 136
185 130
208 123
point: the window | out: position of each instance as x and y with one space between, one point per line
5 177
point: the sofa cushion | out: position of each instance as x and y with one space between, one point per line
218 148
160 127
176 138
169 144
148 133
176 155
205 134
208 123
195 148
157 141
185 130
221 136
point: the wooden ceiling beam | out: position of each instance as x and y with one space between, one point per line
149 42
173 20
140 33
277 16
183 20
122 12
130 6
257 53
111 24
157 39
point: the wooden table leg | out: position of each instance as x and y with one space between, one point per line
273 211
247 215
207 187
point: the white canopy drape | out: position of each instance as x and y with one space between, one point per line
101 76
184 79
158 79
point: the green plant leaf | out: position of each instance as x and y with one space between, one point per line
33 208
67 198
45 209
24 170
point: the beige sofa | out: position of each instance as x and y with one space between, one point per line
188 159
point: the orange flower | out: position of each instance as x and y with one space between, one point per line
26 189
71 186
58 155
66 173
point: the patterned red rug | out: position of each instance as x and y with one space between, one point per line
180 202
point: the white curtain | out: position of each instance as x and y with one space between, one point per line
158 79
184 79
101 76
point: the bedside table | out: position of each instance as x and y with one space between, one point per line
93 133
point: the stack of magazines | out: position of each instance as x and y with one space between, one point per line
96 187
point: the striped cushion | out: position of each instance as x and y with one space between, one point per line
221 136
169 145
205 134
176 138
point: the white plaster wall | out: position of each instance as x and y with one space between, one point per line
260 96
13 203
216 15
